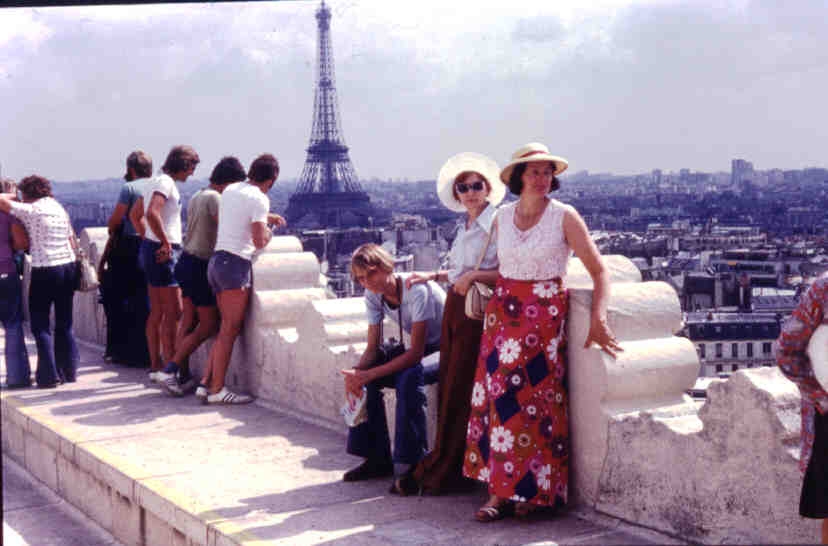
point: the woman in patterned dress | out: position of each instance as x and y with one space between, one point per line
518 433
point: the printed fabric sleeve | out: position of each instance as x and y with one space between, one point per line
418 303
23 211
373 308
793 342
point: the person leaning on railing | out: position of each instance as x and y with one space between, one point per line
793 361
518 435
13 238
243 221
54 278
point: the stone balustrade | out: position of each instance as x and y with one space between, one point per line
642 450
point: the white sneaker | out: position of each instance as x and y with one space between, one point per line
226 396
154 376
201 393
169 383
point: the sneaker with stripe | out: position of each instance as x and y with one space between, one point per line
226 396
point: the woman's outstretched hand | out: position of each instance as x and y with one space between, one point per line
417 277
601 335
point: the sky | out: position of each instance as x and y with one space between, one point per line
622 86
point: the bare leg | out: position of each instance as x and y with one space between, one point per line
232 305
207 323
171 305
156 313
825 531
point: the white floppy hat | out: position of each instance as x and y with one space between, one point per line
818 354
468 161
534 151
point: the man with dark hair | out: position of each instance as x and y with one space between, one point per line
123 286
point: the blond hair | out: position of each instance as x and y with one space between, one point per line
371 256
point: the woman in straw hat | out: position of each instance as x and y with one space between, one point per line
468 182
518 433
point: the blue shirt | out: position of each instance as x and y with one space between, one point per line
423 302
130 192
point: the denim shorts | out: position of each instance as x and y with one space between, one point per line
191 274
158 275
227 271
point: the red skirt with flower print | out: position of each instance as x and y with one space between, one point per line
518 434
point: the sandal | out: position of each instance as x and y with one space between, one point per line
488 514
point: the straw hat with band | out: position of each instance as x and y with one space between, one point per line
463 162
534 151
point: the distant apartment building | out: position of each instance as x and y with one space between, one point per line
731 341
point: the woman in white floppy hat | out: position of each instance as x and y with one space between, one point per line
518 433
468 182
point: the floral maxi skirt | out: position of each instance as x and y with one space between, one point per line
518 434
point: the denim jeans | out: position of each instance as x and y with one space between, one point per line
371 439
54 285
18 372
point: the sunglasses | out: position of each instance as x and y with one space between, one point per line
462 187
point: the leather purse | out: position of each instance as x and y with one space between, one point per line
479 294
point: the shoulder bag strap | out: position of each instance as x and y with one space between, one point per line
486 247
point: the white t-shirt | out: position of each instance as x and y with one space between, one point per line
241 205
170 212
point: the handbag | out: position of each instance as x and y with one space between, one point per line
479 294
87 274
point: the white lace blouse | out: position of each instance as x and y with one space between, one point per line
539 253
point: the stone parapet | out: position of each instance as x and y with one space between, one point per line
642 450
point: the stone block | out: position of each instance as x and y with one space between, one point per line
41 461
13 438
126 520
157 532
86 492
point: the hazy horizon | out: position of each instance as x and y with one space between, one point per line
619 87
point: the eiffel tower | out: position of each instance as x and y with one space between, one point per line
328 194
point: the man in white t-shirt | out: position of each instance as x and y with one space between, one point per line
242 229
160 207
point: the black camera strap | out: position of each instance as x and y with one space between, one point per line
398 283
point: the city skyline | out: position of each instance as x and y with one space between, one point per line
621 87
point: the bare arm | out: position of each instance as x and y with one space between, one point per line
19 237
578 238
261 234
6 201
136 216
369 356
117 218
154 221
